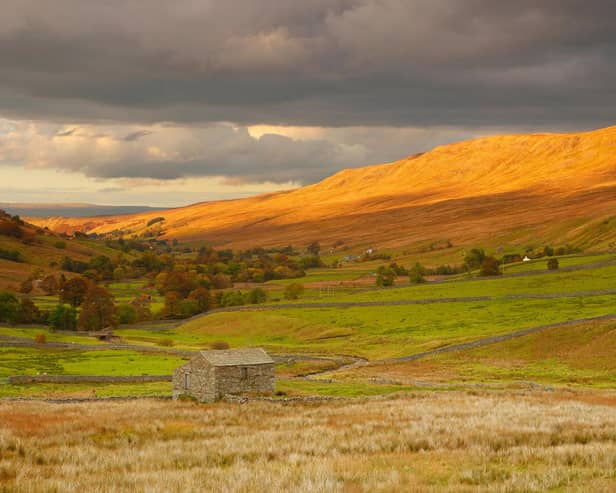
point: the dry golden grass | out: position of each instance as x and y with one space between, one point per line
418 442
466 191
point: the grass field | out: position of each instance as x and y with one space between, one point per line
35 361
382 332
577 355
51 336
446 441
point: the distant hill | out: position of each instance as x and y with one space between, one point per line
491 190
71 210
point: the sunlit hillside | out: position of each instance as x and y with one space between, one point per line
541 185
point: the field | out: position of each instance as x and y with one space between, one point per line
447 441
427 387
377 328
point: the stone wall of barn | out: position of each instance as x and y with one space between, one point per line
245 379
201 380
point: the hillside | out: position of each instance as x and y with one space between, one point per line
26 249
551 186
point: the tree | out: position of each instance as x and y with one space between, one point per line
28 312
490 267
256 295
74 291
9 307
188 308
97 310
474 258
548 251
63 317
181 282
172 304
232 298
416 274
553 263
385 276
314 248
202 297
127 314
293 291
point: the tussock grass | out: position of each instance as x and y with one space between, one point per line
418 442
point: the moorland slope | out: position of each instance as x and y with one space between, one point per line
549 186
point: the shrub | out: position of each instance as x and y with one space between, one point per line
416 274
219 345
293 291
553 264
60 244
188 308
165 342
40 338
256 295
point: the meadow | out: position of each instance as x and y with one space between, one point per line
377 332
444 441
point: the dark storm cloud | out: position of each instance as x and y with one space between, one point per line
317 62
137 88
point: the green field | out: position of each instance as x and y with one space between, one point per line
374 332
552 283
36 361
386 331
576 355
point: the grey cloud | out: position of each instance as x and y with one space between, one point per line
133 136
318 62
172 152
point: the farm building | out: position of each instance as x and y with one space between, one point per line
213 374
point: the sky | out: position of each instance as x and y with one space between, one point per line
169 103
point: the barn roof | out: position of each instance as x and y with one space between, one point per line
235 357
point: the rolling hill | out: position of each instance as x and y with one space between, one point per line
71 209
554 187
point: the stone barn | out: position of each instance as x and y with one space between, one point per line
212 374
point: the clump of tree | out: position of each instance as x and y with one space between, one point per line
12 255
14 310
385 276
